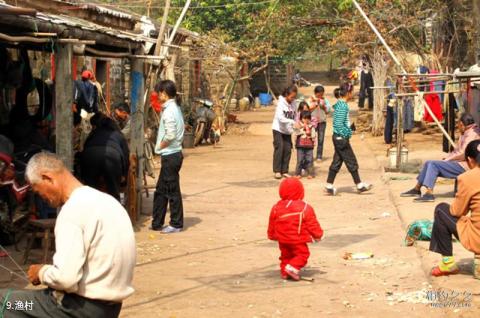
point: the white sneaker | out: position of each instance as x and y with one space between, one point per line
331 190
363 187
278 175
286 175
170 230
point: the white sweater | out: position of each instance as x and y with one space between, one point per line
95 248
284 116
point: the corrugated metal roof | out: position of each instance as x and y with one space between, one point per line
87 25
102 8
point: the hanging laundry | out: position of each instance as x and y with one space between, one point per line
435 105
419 109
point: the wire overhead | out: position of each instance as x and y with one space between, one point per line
141 4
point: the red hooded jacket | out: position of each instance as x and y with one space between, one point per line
293 221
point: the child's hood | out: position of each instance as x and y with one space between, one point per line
291 189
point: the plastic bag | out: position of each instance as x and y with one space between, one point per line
420 230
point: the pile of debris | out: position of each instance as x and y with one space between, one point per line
363 121
238 128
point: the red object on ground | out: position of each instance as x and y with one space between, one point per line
3 254
433 100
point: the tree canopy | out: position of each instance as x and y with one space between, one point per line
296 28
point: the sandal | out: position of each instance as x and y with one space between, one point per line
437 272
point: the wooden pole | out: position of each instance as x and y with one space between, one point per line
399 133
63 102
163 26
137 137
445 133
153 69
176 26
380 37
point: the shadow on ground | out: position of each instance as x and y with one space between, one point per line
190 222
260 279
336 241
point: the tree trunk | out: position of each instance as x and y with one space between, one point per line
476 28
63 102
379 77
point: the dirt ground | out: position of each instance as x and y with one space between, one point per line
223 265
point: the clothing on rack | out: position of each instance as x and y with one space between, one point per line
449 123
366 82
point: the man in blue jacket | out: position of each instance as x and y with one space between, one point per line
169 147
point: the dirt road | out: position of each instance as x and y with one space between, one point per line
222 265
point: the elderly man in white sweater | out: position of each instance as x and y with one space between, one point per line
95 254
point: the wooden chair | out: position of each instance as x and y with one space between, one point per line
40 229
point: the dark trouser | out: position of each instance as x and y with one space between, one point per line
321 127
304 161
368 93
389 122
101 168
343 153
168 192
444 226
282 151
41 303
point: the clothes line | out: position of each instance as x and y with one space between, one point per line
425 75
425 93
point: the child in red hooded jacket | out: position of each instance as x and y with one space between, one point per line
293 224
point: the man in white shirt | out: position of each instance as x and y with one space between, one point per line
95 254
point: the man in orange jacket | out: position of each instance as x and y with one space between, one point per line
293 224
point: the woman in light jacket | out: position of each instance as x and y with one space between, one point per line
282 127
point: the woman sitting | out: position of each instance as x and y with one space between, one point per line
105 159
454 219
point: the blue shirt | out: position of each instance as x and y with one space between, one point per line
171 129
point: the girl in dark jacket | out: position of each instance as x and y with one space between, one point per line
105 159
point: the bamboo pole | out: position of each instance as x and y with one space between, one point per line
153 70
399 133
176 26
426 93
163 26
438 123
380 37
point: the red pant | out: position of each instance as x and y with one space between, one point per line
294 254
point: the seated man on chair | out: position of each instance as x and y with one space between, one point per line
93 265
450 167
